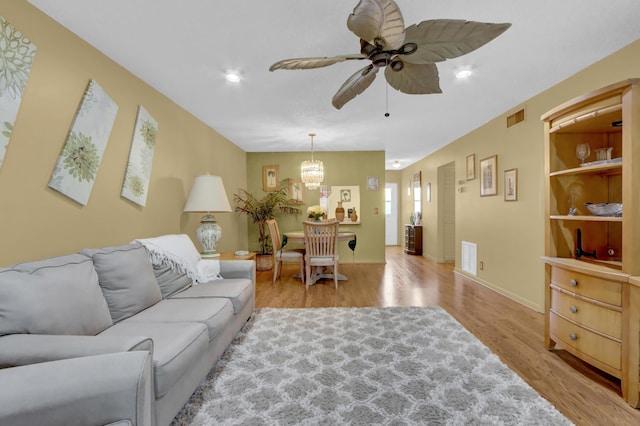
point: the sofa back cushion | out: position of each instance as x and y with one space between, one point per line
126 276
59 295
170 282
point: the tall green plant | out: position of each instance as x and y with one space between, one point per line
262 209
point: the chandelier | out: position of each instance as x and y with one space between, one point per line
312 172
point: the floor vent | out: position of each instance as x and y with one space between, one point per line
515 118
469 257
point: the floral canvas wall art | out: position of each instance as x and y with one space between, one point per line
136 178
16 56
77 166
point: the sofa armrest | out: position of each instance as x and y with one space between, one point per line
24 349
238 269
95 390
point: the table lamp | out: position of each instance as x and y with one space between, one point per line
208 195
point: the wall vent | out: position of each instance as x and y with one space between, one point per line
469 257
515 118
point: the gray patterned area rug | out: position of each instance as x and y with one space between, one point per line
362 366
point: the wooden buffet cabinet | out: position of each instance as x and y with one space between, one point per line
413 239
592 302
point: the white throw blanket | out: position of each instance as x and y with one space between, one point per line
178 252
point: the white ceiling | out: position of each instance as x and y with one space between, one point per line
183 49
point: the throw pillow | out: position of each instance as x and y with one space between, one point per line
59 295
170 282
126 277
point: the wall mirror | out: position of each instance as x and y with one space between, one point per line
417 194
348 195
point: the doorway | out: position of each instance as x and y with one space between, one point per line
447 213
391 214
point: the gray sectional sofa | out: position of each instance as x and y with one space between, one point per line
105 337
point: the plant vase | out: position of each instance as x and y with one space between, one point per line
264 262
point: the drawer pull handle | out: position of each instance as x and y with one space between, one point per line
573 283
573 336
573 309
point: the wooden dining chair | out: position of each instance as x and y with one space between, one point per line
283 256
321 246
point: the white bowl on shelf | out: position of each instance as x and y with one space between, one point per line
605 209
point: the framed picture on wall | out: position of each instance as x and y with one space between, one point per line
471 167
270 178
489 176
372 183
295 191
511 185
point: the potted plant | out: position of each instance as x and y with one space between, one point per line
259 211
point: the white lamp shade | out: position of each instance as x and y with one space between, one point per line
207 195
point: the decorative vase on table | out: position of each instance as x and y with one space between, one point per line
354 215
314 213
339 212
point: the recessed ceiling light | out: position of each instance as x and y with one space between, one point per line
462 74
396 164
232 77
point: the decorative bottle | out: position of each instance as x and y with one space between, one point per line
354 215
339 212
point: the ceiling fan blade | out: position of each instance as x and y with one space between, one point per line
414 79
308 63
355 85
378 19
442 39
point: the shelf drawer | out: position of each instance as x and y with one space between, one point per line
595 288
605 320
597 347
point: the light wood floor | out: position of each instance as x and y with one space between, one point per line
514 332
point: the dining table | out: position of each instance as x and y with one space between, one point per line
297 237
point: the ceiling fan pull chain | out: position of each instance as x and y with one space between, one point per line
386 92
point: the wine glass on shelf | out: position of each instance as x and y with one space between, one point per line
583 151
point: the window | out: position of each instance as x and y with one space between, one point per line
387 201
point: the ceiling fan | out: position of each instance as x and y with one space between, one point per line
409 54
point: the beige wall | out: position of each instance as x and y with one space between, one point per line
340 168
509 235
37 222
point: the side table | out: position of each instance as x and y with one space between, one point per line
232 256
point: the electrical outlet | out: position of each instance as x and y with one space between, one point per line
481 265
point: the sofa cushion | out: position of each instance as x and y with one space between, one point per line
169 281
59 295
176 348
237 290
126 277
215 313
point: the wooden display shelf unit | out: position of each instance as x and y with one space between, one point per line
592 303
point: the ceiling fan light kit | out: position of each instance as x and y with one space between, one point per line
312 172
407 54
463 74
